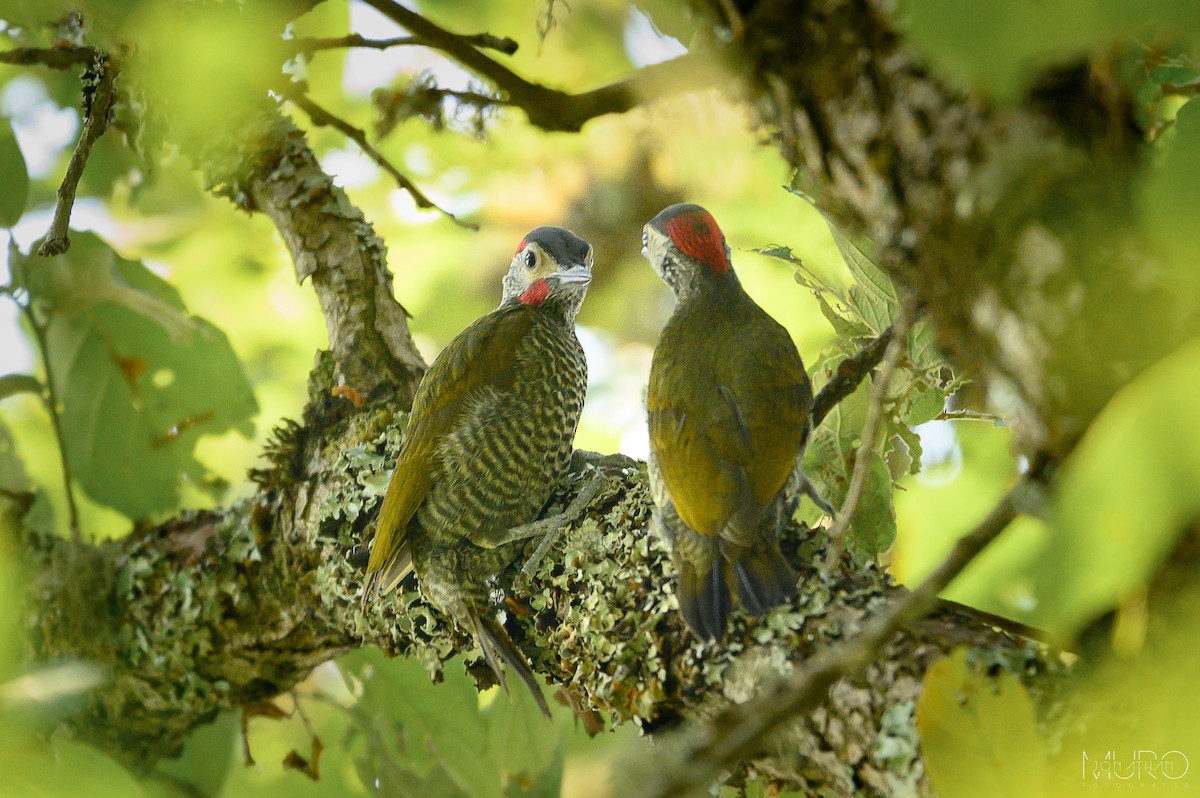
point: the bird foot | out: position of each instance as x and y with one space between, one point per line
807 488
550 529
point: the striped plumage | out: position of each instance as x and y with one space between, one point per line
728 405
489 438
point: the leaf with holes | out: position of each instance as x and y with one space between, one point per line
829 462
978 735
138 379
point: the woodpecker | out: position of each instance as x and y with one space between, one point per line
488 439
729 405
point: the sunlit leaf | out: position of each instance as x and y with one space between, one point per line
1171 199
1113 525
872 295
139 379
15 192
978 735
185 63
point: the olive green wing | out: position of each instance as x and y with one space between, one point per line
481 356
726 433
693 435
775 399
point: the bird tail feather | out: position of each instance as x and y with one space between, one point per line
393 572
497 646
764 579
704 599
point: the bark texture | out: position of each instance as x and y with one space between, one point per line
1010 225
1004 223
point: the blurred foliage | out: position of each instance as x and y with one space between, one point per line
1112 534
978 735
998 46
138 380
162 355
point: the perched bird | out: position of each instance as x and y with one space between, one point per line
729 405
488 439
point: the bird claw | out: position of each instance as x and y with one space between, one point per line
807 488
582 458
550 529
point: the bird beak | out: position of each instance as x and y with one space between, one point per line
577 274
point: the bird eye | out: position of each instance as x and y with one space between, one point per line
530 259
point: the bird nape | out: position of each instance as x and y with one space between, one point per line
729 404
488 439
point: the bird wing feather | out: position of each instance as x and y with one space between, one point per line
733 439
482 356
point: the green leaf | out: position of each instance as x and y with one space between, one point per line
978 735
829 461
1124 496
139 379
998 45
13 384
15 193
208 754
1172 204
520 739
873 529
872 295
63 769
925 404
12 470
440 724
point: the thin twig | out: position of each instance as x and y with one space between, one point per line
866 448
501 44
50 398
94 125
323 118
53 57
967 415
850 373
551 109
738 734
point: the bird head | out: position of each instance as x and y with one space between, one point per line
551 265
687 248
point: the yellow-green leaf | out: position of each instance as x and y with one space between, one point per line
978 738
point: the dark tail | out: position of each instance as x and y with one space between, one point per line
497 646
385 580
705 599
764 579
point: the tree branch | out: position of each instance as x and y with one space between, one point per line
898 334
849 375
938 179
551 109
484 40
321 117
97 108
264 164
740 733
53 57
